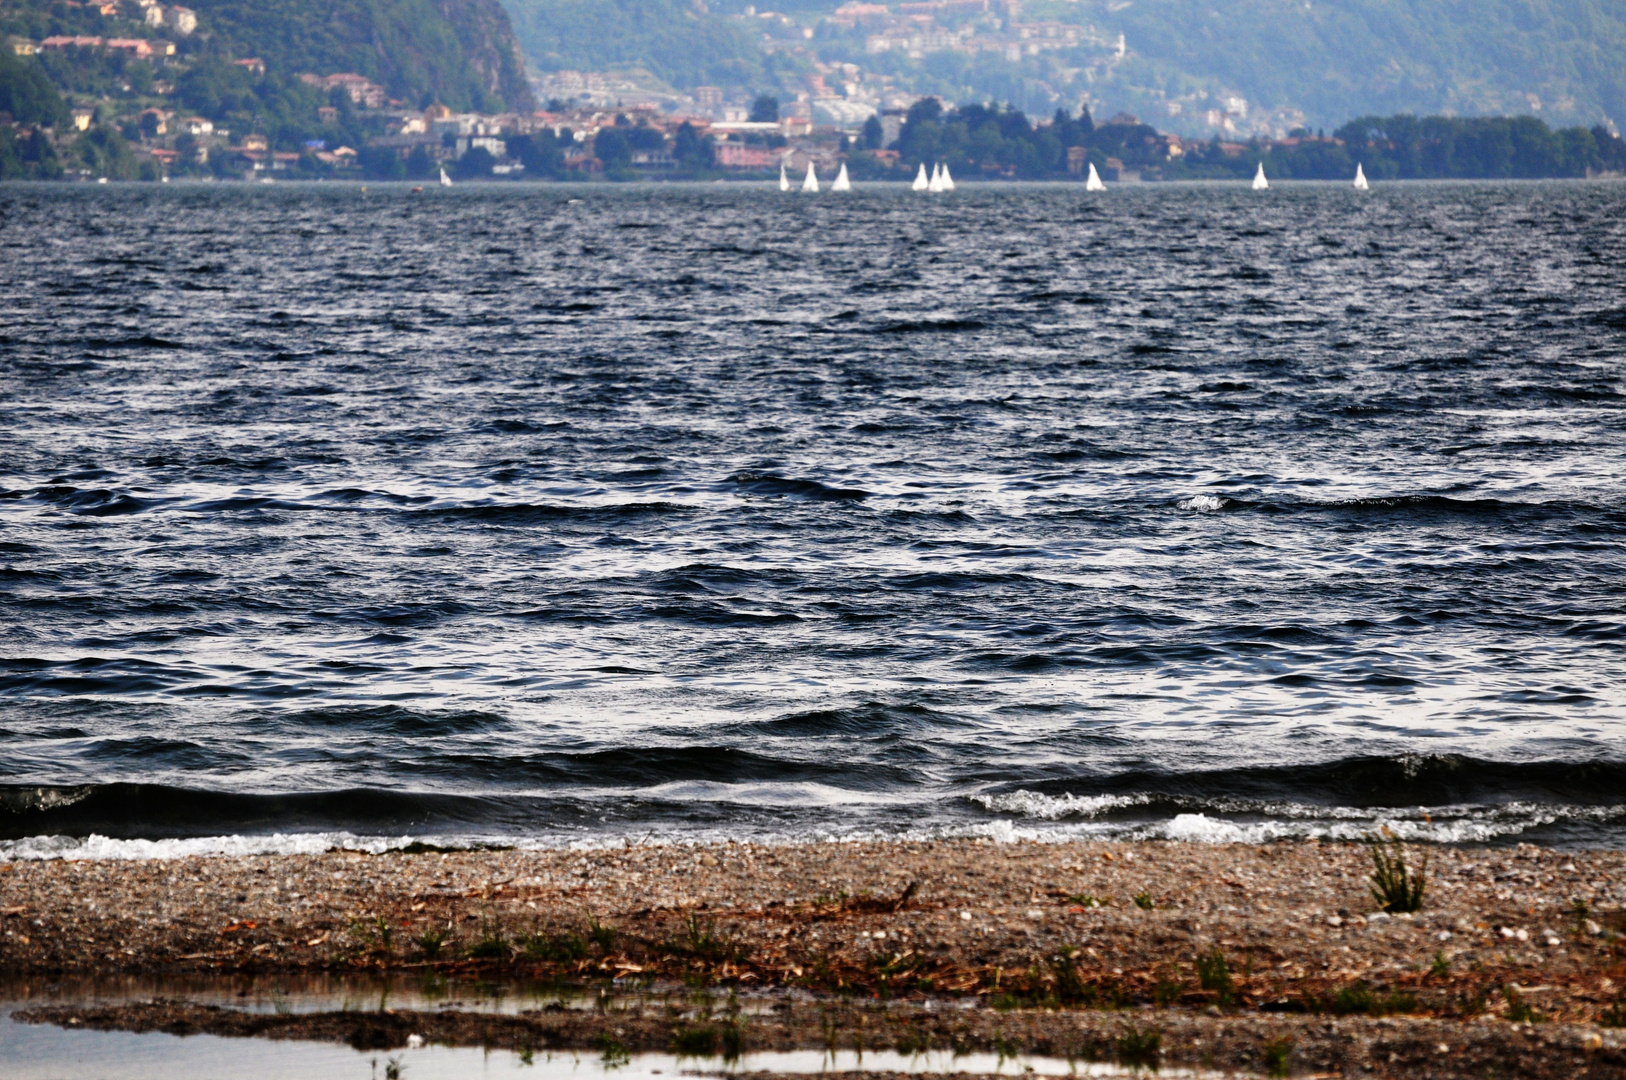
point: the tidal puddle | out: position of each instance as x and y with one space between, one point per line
58 1051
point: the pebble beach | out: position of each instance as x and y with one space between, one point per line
1222 950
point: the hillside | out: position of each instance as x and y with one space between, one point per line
461 53
1564 60
666 38
1258 65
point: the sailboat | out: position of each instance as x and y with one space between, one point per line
842 183
947 183
1094 182
936 182
1259 181
921 183
810 182
784 181
1360 179
445 181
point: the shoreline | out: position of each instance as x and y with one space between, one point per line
1193 938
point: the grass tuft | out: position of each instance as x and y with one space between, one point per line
430 943
1395 888
1167 992
1139 1048
1520 1011
1214 974
1276 1054
493 946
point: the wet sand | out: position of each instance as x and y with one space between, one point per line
1224 951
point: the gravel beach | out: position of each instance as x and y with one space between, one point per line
1235 956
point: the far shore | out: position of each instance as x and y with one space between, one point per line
1514 962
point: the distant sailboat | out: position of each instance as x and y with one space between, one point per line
1259 181
810 182
936 182
1360 179
842 183
1094 182
947 183
784 181
921 183
445 181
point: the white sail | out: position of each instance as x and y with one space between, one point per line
842 183
1360 178
784 181
810 182
1259 181
947 181
1094 182
445 181
936 182
921 183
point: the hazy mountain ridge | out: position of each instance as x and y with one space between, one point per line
1188 62
1564 60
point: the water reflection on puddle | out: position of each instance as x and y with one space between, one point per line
316 992
47 1052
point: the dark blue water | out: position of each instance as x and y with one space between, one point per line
542 514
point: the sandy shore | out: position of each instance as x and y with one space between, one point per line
1215 947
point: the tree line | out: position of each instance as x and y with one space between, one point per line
987 140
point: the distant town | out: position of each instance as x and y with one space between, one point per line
161 113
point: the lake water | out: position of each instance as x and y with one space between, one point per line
541 514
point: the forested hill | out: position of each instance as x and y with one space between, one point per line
461 53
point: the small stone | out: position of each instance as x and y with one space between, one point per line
1443 935
1334 920
1442 1048
966 915
1593 1041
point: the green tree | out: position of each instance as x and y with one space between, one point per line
475 164
765 109
874 135
26 92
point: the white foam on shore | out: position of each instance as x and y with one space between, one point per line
1031 817
1055 807
100 847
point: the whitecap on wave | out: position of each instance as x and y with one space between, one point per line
1055 807
1252 821
1203 503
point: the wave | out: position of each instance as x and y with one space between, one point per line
770 484
1365 782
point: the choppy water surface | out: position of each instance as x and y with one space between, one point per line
546 514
